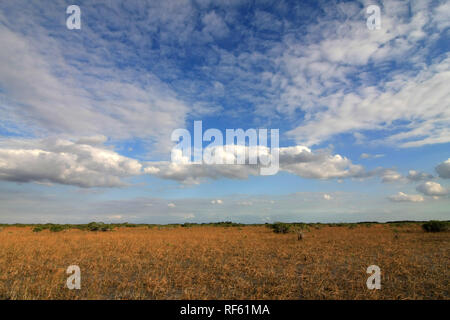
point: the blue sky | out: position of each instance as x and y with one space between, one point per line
86 115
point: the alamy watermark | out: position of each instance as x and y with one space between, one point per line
373 22
251 147
74 20
74 280
374 281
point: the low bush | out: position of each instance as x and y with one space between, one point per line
38 229
98 226
57 228
436 226
280 227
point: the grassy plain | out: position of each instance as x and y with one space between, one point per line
206 262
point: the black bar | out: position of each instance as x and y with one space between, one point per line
224 309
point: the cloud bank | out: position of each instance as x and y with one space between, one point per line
64 162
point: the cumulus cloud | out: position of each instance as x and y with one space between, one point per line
443 169
322 164
88 163
216 201
393 176
403 197
298 160
196 173
64 162
327 197
431 188
414 175
389 175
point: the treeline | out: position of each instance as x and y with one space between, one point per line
427 226
277 227
101 226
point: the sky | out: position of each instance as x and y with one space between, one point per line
86 115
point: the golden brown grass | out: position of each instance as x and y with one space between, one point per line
225 263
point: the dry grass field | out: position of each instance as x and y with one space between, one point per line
202 262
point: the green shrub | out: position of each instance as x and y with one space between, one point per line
98 226
435 226
38 229
56 228
280 227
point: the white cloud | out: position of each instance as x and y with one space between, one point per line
298 160
317 76
93 140
49 95
334 70
431 188
51 90
214 25
196 173
441 14
171 205
403 197
218 201
420 101
88 163
318 165
414 175
64 162
327 197
443 169
389 175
